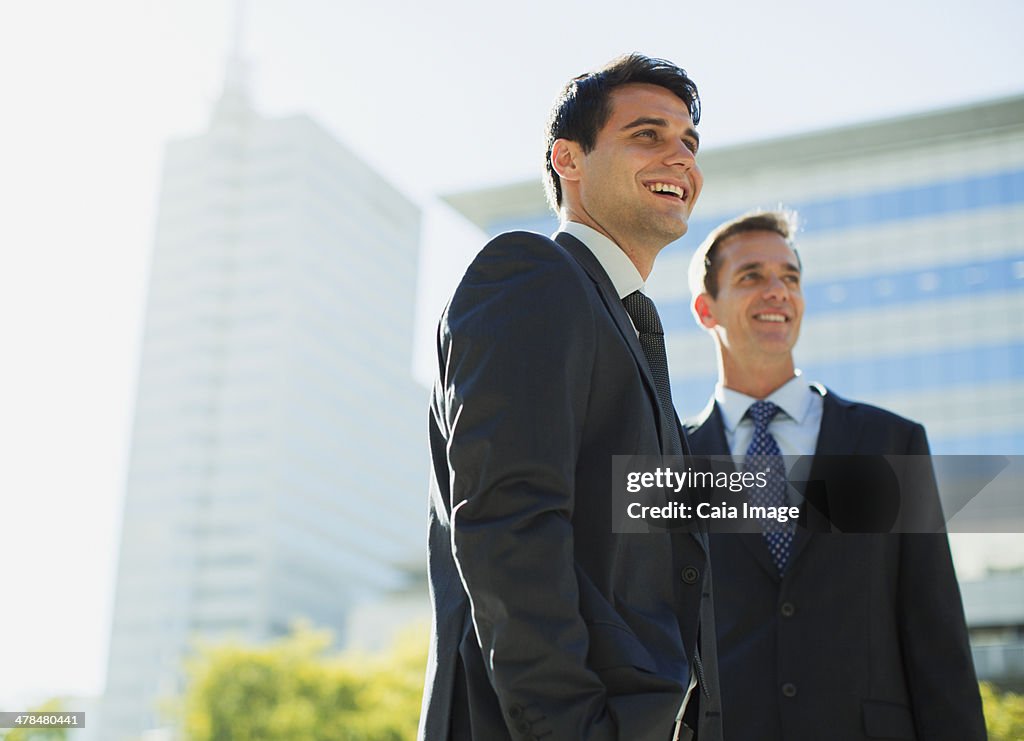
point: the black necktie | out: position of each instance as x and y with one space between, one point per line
652 339
764 455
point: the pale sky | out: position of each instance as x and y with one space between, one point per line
438 97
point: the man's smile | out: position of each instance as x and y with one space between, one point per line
669 190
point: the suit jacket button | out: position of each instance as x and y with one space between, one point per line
788 609
690 575
789 689
515 712
522 726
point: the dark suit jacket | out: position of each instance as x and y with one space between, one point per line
864 636
546 623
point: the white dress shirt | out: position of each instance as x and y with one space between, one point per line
625 277
795 427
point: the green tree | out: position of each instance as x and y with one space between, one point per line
295 688
1004 714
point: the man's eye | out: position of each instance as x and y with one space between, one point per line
647 133
691 145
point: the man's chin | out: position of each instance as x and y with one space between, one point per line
665 230
777 346
675 227
680 229
683 224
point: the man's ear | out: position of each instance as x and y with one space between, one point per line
566 159
702 310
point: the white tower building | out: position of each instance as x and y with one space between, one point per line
278 463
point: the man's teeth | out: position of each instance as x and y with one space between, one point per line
770 317
665 188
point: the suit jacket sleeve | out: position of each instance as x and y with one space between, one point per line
517 344
939 669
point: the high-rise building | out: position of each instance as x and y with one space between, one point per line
278 464
913 264
994 606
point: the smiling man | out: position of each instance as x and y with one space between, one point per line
821 635
551 360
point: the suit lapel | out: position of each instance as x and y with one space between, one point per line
839 434
709 439
708 436
582 254
840 425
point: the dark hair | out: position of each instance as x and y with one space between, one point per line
703 273
583 107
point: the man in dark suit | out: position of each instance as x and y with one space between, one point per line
548 623
821 635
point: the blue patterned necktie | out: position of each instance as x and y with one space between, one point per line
652 339
764 455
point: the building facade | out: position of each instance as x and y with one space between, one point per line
278 462
994 606
913 264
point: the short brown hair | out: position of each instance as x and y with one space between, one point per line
583 107
704 265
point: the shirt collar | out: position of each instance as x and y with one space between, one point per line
623 273
794 398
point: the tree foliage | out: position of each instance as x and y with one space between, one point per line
295 688
1004 714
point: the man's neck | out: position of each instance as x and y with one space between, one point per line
642 258
624 276
757 380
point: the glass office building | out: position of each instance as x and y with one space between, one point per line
913 264
913 251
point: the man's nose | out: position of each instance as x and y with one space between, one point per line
776 289
681 154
